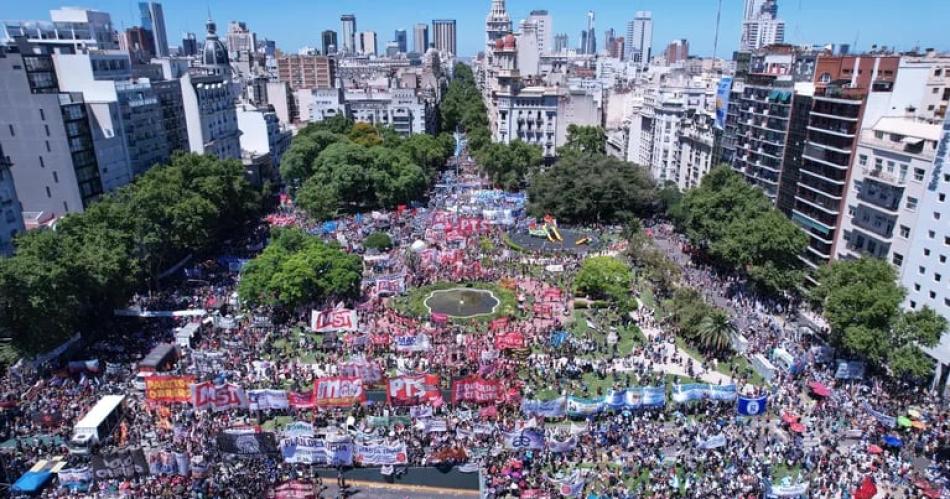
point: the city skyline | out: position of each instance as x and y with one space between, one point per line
873 22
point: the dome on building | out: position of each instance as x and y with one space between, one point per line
510 41
215 53
499 44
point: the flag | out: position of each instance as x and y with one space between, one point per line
867 489
753 406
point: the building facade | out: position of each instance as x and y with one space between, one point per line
420 38
640 38
348 34
444 36
11 213
545 29
402 41
328 41
760 25
677 51
306 71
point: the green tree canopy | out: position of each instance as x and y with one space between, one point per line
508 165
861 301
588 188
604 278
298 270
741 229
378 241
584 140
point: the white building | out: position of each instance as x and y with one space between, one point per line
71 26
760 25
366 43
210 116
261 132
639 42
529 50
894 161
544 29
404 109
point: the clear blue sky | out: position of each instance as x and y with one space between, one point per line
297 23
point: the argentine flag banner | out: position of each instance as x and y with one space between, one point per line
752 406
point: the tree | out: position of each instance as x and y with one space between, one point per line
378 241
296 165
714 332
297 270
592 188
604 278
509 164
319 200
861 301
741 230
365 134
428 152
584 140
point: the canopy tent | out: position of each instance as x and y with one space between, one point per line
892 441
819 389
31 482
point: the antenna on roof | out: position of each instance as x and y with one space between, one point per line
716 39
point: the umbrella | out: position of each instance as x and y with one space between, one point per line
789 418
920 483
875 449
903 421
931 493
892 441
797 427
914 413
819 389
920 425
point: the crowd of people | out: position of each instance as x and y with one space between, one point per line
532 402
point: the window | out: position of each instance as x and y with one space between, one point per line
47 129
824 78
48 148
926 252
936 90
42 115
916 287
933 295
913 304
863 159
55 177
897 259
946 241
943 258
878 162
905 231
919 174
937 277
12 133
942 197
42 163
931 234
936 215
921 270
911 203
48 193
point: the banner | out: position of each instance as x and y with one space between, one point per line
78 479
413 390
714 442
510 341
530 438
247 444
298 429
334 321
295 489
499 324
412 343
476 389
578 407
380 454
217 397
168 463
338 391
119 465
387 421
319 451
723 92
557 447
433 425
752 406
168 389
700 391
262 400
884 419
850 370
301 400
368 371
392 285
546 408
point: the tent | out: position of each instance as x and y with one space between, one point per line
31 482
892 441
819 389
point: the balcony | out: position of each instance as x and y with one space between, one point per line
883 176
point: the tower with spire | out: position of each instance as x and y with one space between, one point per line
497 24
215 54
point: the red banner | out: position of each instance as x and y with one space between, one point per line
476 389
413 390
301 400
540 309
338 391
438 318
510 341
207 395
551 294
499 324
168 389
333 320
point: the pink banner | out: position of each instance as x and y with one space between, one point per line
207 395
338 391
333 320
510 341
476 389
301 400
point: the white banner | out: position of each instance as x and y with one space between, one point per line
259 400
334 320
308 450
381 454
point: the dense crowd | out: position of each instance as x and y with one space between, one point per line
583 441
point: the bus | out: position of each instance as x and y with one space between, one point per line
98 424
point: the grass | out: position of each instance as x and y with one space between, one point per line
288 346
277 423
413 304
725 366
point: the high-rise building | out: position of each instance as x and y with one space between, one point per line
760 25
11 213
420 38
616 48
443 35
367 43
640 38
306 71
348 33
189 45
139 43
560 43
545 26
402 42
497 25
83 29
240 39
153 19
529 50
329 44
677 51
589 36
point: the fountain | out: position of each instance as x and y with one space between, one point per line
462 303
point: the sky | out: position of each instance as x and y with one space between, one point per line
903 24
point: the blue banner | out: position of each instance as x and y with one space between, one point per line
752 406
722 101
547 408
700 391
578 407
558 338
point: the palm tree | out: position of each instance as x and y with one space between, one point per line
714 332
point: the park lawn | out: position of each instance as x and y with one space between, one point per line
782 470
725 366
288 346
277 423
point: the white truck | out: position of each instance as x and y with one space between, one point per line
97 424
